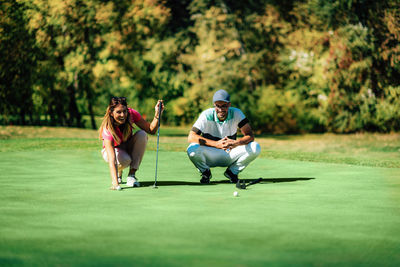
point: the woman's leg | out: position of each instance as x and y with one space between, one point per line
136 146
123 158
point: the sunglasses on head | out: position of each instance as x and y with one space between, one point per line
118 100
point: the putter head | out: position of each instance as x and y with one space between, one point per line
240 185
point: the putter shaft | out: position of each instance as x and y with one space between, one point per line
158 141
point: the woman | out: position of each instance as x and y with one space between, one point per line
121 148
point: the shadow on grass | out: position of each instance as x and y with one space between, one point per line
263 181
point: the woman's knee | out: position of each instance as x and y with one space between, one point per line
141 136
124 164
124 160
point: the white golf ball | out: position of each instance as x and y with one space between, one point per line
235 194
118 188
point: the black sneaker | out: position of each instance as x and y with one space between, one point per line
205 177
232 177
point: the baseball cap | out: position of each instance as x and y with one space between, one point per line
221 95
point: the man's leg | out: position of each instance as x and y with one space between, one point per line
204 158
241 156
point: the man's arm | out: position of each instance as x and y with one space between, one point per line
197 138
248 137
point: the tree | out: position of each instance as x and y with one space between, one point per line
18 65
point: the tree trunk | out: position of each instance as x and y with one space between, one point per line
75 117
22 117
90 107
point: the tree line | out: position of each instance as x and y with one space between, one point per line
291 66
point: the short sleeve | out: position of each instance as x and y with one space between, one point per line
199 124
239 116
106 135
134 115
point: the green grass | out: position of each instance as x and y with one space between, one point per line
56 208
375 150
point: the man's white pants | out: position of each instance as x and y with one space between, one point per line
205 157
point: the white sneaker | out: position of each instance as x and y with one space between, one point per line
132 181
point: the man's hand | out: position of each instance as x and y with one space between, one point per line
227 144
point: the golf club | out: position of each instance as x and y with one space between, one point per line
158 140
242 184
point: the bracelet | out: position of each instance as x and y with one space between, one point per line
156 117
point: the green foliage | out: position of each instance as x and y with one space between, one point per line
388 110
18 54
291 66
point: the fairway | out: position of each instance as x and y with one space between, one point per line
56 209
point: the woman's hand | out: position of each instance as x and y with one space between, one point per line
160 104
152 127
115 187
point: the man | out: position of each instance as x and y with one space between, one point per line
213 140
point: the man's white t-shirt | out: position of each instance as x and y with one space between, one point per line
209 126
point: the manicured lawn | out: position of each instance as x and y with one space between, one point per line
56 208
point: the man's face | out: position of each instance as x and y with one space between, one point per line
221 108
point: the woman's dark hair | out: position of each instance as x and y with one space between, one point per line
117 100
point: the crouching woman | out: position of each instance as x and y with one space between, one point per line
122 148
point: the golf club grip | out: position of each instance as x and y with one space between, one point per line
159 112
159 120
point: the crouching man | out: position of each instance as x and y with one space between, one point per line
213 140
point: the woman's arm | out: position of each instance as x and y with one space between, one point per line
149 128
152 127
109 146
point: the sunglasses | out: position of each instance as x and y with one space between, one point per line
118 100
221 106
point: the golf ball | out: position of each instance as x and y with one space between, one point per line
118 188
235 194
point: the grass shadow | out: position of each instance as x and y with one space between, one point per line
269 180
263 181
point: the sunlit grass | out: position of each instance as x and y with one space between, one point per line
380 150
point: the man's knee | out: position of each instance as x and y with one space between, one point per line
193 151
254 149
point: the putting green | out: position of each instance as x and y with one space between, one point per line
56 209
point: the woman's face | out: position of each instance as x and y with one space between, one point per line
120 114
